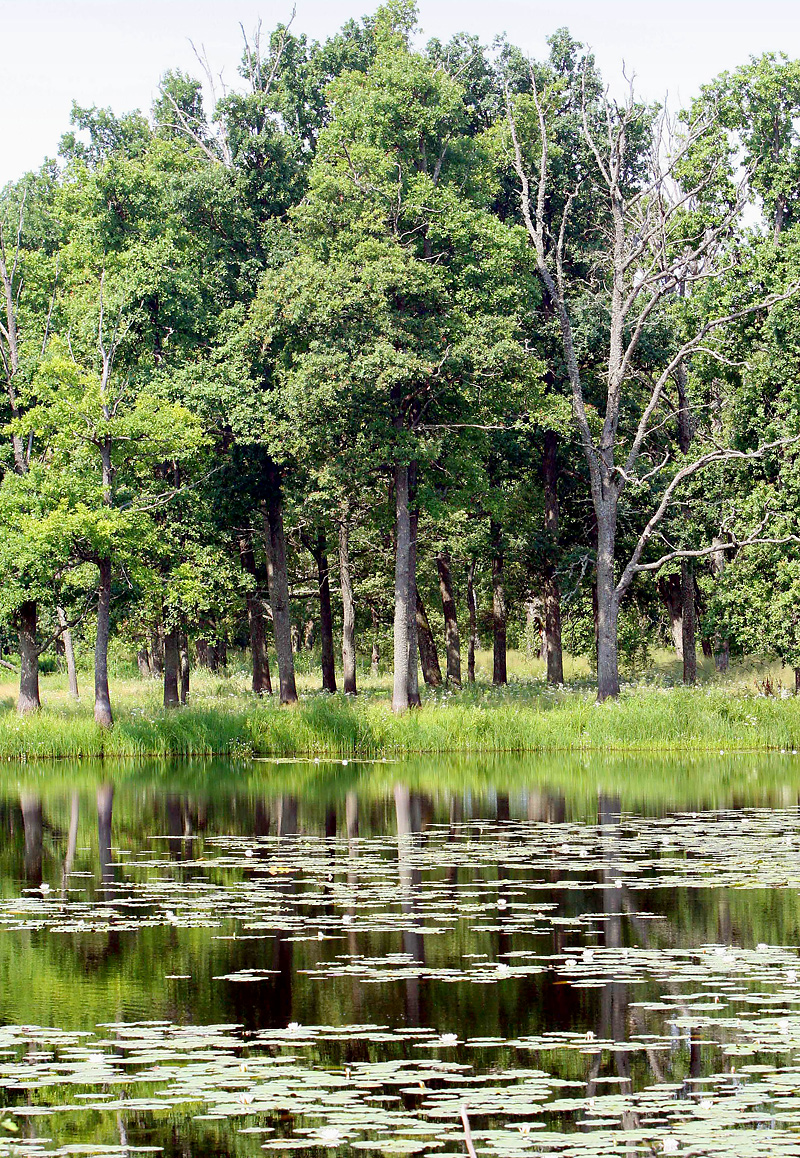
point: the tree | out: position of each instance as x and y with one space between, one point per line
660 222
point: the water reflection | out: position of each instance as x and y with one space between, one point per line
519 935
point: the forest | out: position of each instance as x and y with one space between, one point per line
384 354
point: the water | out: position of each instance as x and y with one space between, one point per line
579 957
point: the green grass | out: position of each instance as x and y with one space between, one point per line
225 719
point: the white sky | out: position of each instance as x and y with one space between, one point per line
112 52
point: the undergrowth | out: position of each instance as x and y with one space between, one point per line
522 718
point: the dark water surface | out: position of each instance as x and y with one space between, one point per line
585 957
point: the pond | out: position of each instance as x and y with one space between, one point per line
571 955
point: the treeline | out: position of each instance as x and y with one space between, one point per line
387 351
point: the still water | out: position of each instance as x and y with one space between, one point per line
578 957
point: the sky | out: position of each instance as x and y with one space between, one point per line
112 52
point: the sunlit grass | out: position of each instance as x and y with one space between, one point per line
224 717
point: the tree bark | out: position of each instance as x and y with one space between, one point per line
257 623
797 681
401 589
320 553
414 699
451 636
171 668
157 650
472 609
69 654
102 698
375 658
348 611
688 642
552 589
431 671
29 700
607 609
670 588
143 663
721 647
499 612
183 652
278 579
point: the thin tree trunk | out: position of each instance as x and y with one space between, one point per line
69 654
414 699
797 681
688 642
325 614
102 698
431 670
472 609
670 588
607 611
552 589
376 652
29 700
348 611
721 647
401 589
262 682
278 580
183 650
221 652
451 636
499 612
171 668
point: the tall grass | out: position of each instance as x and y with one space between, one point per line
525 717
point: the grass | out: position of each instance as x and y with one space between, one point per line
225 719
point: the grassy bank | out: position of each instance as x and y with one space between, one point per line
224 719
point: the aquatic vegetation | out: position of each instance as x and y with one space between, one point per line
669 1039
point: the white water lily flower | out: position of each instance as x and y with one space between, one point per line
588 955
248 852
44 888
330 1136
448 1039
294 1026
671 1144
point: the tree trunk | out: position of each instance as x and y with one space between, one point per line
171 668
257 623
375 659
451 636
348 611
414 700
325 614
157 650
688 642
183 649
499 613
797 681
29 659
670 588
721 647
69 654
472 609
203 649
278 580
102 698
431 671
220 652
551 592
143 663
401 589
607 612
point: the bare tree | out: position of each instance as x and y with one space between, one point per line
645 248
